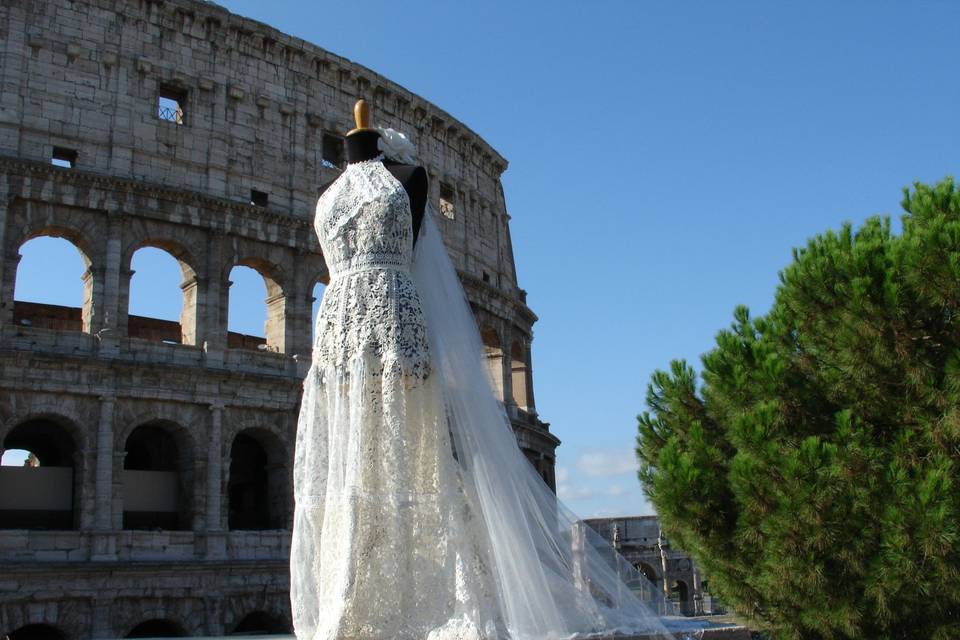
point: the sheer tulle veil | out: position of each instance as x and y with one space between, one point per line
555 577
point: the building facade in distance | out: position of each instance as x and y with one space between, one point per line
641 542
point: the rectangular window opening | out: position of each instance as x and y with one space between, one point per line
446 200
63 157
333 156
258 198
170 104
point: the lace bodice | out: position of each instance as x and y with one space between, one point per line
370 310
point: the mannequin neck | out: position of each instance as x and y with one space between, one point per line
362 145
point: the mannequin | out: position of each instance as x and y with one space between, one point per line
361 144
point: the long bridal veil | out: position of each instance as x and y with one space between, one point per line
555 577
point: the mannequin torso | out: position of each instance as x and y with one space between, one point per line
362 145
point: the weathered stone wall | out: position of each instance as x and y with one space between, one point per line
81 80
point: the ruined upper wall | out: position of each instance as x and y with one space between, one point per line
86 75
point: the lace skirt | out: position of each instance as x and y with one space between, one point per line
384 545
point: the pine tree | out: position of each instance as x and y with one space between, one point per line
813 470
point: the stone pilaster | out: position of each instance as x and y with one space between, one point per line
216 534
4 205
214 468
212 305
528 363
104 547
108 322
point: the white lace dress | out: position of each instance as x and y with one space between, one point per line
384 545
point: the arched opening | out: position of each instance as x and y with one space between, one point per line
46 293
157 628
680 595
518 367
260 623
156 478
256 488
38 631
648 572
252 324
316 298
494 352
38 462
162 295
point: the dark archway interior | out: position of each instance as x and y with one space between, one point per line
260 622
248 488
648 572
45 439
151 448
157 629
37 632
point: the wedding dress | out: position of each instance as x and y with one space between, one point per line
417 517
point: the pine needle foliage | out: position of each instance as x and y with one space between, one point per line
813 471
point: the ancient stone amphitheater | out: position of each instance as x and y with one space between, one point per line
162 499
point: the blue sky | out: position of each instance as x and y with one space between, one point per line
664 159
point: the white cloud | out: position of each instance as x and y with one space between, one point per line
604 464
566 492
616 490
563 474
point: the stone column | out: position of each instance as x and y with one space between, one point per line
507 371
104 545
212 305
4 204
108 323
8 284
214 468
528 364
216 541
663 564
697 595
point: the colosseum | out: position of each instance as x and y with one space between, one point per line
158 498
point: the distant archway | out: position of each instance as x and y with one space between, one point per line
256 486
46 477
162 296
46 296
248 280
157 469
680 594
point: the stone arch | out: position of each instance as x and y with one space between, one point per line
139 326
187 614
273 276
257 480
157 476
236 608
648 572
57 484
519 374
680 593
62 618
46 315
493 349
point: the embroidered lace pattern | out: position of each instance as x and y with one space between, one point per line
384 543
